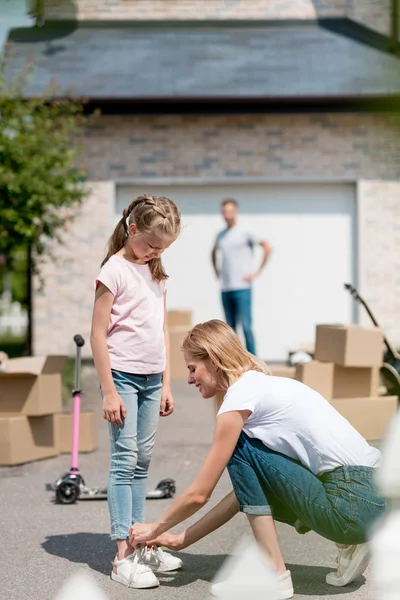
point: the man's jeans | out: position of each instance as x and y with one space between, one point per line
339 505
237 308
131 447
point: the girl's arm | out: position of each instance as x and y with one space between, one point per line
113 407
167 400
220 514
227 431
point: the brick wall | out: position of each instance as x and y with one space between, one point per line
372 13
65 305
379 252
193 9
353 146
375 14
364 148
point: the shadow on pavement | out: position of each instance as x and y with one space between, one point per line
97 551
310 581
195 567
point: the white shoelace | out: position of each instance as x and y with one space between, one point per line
137 567
157 553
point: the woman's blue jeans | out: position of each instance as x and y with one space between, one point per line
131 447
339 505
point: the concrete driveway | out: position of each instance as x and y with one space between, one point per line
43 543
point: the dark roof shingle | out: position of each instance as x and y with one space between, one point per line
258 62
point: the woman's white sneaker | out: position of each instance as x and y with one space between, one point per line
352 562
160 561
132 572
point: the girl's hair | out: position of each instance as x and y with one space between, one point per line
151 214
215 341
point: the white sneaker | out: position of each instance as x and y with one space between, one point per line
284 587
160 561
352 562
131 572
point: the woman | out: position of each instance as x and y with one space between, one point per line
290 455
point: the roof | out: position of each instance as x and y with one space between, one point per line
258 61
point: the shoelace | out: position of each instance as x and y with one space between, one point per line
137 567
343 553
157 553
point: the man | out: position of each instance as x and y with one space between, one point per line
237 271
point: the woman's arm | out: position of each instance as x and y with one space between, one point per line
227 431
220 514
113 406
167 400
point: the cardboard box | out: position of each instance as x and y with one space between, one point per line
370 416
32 385
180 318
355 382
87 432
349 345
25 439
318 376
179 370
282 371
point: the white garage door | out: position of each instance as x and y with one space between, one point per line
312 232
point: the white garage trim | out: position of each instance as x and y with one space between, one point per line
227 180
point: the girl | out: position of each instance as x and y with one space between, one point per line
290 455
129 340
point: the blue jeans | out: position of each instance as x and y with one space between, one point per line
237 308
131 447
339 505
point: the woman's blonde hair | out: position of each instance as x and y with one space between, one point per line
151 214
215 341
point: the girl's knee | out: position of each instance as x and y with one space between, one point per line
143 462
124 463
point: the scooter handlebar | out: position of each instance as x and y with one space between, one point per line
79 341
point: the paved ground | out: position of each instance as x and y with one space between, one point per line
43 543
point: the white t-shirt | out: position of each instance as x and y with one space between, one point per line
236 246
135 337
291 418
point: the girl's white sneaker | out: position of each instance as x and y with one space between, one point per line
132 572
160 561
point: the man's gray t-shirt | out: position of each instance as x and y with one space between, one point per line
236 246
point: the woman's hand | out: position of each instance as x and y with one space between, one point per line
141 533
113 408
168 540
167 402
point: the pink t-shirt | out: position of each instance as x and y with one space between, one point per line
135 337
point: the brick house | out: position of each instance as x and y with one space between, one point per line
289 107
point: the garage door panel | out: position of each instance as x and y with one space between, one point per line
311 230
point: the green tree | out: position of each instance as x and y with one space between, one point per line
41 182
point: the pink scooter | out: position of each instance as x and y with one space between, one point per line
71 486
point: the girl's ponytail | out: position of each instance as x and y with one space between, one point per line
118 237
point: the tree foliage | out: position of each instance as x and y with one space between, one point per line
41 182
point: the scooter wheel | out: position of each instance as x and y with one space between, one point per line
67 492
167 486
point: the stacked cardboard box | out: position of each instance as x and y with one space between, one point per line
32 425
87 432
346 372
282 370
179 323
30 396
